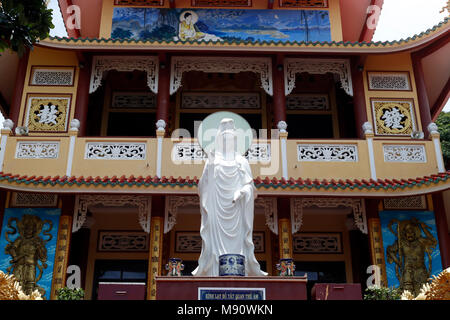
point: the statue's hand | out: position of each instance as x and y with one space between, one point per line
238 194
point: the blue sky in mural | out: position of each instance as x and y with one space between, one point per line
388 239
223 24
44 214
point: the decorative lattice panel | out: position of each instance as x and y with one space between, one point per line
394 117
327 152
49 114
133 100
221 3
404 153
191 242
317 243
389 81
156 3
52 77
414 203
25 199
115 151
193 152
304 3
37 150
122 241
216 100
316 102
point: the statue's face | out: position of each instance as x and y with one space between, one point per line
410 233
188 19
29 229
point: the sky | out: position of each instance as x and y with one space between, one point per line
399 19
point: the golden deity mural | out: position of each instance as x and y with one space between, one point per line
28 251
408 253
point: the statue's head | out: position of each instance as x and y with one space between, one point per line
411 232
226 139
30 226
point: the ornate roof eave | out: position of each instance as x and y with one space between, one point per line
386 47
188 186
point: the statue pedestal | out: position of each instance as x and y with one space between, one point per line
189 288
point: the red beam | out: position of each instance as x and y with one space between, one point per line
163 97
443 40
270 4
359 97
82 100
424 102
16 102
63 5
279 98
172 4
367 34
441 101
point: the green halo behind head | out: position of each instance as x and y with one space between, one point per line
207 131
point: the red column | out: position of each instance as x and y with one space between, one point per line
163 99
16 102
82 100
279 98
424 104
359 97
442 229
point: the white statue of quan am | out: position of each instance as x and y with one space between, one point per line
227 195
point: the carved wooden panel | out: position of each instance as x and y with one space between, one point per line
329 243
221 3
304 3
149 3
129 241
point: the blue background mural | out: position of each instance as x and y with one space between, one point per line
221 25
44 214
389 238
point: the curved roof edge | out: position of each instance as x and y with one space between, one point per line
409 43
379 188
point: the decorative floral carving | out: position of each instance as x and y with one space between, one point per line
327 152
82 202
100 64
193 152
340 67
404 153
298 204
270 211
262 66
37 150
115 151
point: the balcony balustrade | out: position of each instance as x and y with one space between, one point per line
313 159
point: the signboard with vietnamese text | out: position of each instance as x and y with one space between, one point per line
236 294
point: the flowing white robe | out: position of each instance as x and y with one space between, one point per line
226 227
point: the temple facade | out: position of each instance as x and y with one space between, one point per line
99 161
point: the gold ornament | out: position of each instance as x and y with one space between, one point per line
393 118
408 253
48 114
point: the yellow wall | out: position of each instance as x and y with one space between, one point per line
392 62
48 57
334 9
